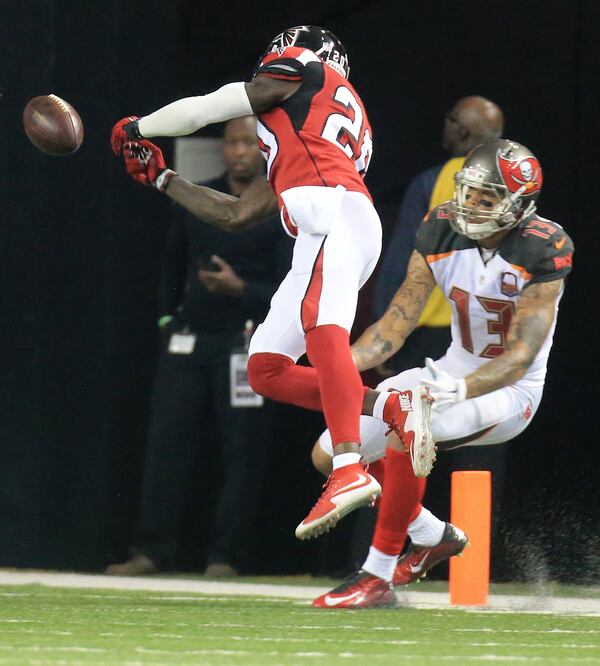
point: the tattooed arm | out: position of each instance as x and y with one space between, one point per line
385 337
528 330
224 211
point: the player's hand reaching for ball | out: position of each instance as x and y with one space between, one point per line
122 132
145 163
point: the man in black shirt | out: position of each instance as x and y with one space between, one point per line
212 284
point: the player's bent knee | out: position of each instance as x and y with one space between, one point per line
320 459
264 372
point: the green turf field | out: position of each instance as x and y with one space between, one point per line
43 625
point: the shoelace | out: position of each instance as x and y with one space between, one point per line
392 426
355 576
330 484
324 487
393 421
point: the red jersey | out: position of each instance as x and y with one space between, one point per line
321 134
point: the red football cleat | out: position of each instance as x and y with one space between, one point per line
346 489
417 560
360 590
408 413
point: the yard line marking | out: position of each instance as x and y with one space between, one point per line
52 648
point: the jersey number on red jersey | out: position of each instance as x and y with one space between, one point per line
346 129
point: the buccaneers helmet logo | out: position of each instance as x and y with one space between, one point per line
525 172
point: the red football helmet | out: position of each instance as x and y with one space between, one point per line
511 172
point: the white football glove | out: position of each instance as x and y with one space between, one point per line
443 388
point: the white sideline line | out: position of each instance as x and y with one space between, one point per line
502 603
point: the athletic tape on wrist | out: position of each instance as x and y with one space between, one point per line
163 179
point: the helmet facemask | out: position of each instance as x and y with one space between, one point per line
491 168
477 223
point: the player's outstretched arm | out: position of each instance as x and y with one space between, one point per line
529 328
145 163
257 202
190 114
385 337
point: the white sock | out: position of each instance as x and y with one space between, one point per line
426 529
379 404
380 564
343 459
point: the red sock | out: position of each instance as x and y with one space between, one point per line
340 385
377 469
400 502
332 386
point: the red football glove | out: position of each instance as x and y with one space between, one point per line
145 163
120 134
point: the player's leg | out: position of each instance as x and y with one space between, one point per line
400 509
373 447
322 288
490 419
344 262
277 344
325 269
399 505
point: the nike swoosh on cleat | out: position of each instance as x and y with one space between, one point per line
335 601
359 483
419 566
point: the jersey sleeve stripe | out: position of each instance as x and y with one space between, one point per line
524 272
280 76
283 67
432 258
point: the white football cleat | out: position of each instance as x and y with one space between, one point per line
408 413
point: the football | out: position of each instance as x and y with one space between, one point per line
52 125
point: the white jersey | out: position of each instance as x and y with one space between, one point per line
484 288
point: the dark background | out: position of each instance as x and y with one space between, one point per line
80 246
